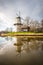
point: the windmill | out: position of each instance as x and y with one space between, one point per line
18 23
21 26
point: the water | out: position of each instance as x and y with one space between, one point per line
21 51
5 41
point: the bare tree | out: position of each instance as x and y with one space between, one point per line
42 23
27 20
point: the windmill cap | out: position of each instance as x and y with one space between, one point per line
18 17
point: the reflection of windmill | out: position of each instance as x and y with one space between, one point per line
22 45
18 47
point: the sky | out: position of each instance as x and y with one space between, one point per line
9 8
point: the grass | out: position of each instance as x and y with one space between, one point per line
24 33
27 32
21 33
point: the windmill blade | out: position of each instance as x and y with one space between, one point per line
18 14
22 19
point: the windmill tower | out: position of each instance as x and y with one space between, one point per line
18 23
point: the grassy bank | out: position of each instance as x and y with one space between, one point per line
22 34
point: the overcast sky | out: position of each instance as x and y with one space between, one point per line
9 8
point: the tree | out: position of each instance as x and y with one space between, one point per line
34 25
42 23
27 20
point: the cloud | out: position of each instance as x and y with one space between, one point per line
31 8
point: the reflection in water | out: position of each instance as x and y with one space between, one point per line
5 40
26 44
18 45
8 38
30 50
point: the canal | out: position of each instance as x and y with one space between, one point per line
21 51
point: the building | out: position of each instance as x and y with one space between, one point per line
25 28
21 27
18 24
